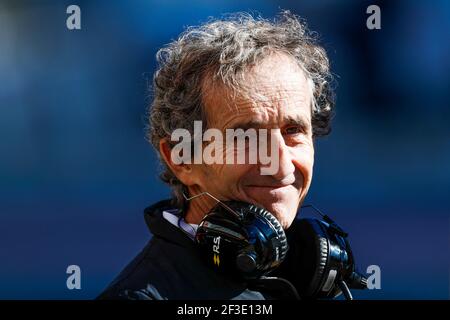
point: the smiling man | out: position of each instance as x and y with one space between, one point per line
238 73
276 95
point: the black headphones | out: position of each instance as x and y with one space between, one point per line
320 262
248 242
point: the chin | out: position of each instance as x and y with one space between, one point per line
281 202
284 212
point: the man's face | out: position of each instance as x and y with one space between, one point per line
274 95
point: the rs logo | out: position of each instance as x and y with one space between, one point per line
216 247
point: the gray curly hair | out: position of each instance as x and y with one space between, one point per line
222 49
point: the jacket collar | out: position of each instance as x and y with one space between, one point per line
162 228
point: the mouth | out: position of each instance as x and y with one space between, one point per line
271 187
275 185
271 193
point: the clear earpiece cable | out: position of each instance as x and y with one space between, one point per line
214 198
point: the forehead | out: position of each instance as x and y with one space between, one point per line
271 92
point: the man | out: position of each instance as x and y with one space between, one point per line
239 73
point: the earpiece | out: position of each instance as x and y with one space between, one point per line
320 263
247 244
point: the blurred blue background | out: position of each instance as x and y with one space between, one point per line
76 171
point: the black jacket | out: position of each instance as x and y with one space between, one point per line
169 267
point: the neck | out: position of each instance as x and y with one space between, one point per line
196 212
198 208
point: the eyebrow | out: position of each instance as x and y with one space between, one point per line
300 121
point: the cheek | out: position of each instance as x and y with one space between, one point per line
221 178
303 159
233 173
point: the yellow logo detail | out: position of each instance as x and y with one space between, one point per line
216 259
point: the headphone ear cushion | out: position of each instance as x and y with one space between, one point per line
281 235
252 241
307 258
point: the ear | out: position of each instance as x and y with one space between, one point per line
182 171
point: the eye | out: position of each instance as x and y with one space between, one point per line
291 130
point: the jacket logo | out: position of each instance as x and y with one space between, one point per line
216 259
216 247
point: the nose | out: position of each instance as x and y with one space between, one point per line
286 168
